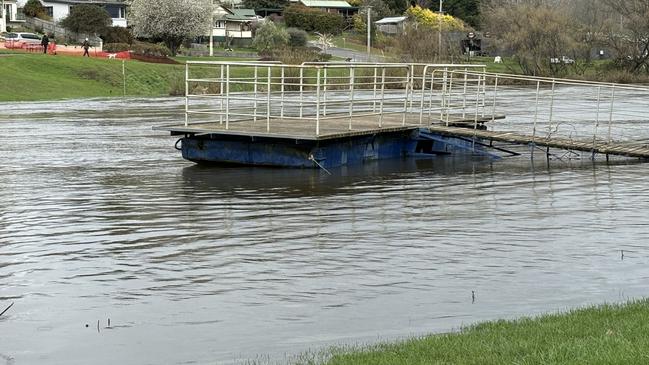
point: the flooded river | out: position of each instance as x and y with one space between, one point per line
101 219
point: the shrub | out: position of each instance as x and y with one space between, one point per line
313 20
270 37
150 49
34 9
297 56
87 18
116 47
117 35
296 37
429 18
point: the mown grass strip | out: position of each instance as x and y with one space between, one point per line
607 334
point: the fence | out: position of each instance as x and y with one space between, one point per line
357 93
542 108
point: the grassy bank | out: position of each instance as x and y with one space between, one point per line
608 334
27 77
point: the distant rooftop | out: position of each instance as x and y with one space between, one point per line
391 20
326 4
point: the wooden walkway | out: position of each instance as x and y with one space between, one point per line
614 148
300 129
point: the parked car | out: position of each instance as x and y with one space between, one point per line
20 40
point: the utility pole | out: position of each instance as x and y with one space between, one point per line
369 27
4 17
212 36
439 39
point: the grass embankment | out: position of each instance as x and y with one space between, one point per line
608 334
28 77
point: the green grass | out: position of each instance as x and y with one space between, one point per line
28 77
607 334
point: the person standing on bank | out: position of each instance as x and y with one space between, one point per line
45 41
86 46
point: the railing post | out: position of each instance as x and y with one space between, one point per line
493 109
405 103
227 97
443 96
411 81
281 103
423 92
317 104
186 94
551 109
255 87
382 97
324 91
464 94
599 98
610 116
450 97
351 95
536 110
268 87
475 120
301 90
374 93
221 95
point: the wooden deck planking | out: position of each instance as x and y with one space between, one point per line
306 129
613 148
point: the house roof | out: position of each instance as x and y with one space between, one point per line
244 12
239 14
101 2
391 20
333 4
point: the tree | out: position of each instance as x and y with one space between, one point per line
629 36
536 32
117 35
171 21
467 10
87 18
398 6
265 4
34 9
270 37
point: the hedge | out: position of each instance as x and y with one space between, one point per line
313 20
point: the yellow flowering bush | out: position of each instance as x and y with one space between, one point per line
432 19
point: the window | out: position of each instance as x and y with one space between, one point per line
49 10
220 24
116 11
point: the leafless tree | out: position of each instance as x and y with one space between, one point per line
628 33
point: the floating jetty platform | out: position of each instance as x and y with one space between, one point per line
324 115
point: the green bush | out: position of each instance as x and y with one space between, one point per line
87 18
34 9
116 47
270 37
313 20
296 37
117 35
150 49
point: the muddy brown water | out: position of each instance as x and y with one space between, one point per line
101 218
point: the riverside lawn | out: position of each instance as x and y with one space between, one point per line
605 334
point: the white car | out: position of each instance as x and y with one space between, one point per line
17 40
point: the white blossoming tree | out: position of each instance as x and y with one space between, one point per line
173 21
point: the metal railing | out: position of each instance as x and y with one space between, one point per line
542 108
230 92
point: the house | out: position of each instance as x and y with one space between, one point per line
330 6
233 25
9 15
391 25
59 9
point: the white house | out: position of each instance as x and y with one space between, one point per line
9 15
233 24
59 9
